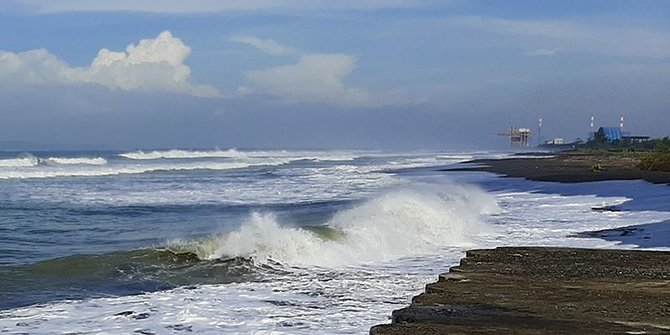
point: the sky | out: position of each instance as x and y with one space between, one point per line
376 74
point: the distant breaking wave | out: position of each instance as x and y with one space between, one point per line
74 161
19 162
176 154
104 170
30 160
235 154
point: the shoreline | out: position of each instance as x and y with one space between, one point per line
568 167
543 290
552 290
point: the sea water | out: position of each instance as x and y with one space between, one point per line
272 241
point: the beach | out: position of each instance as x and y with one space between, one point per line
570 167
519 290
291 241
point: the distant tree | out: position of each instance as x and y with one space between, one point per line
662 144
600 137
598 140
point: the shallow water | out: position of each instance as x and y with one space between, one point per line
265 241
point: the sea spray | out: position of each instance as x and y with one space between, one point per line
235 154
24 161
95 170
398 223
179 154
74 161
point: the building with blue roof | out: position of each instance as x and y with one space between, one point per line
611 133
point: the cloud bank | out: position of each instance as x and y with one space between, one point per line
151 65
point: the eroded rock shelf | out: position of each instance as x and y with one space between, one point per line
536 290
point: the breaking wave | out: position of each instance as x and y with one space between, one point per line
235 154
20 161
104 170
28 160
74 161
399 223
176 154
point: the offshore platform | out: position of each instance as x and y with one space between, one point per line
518 136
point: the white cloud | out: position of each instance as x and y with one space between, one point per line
600 38
314 78
199 6
266 45
151 65
542 52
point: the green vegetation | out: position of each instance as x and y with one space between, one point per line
657 161
599 141
653 155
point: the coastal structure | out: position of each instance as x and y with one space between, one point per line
612 134
609 134
518 136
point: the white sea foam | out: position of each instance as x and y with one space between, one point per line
69 170
233 153
350 299
396 224
75 161
19 162
179 154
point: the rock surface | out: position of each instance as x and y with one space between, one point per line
536 290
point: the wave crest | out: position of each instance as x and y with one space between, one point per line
75 161
26 161
397 224
177 154
235 154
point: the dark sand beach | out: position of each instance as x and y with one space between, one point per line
571 167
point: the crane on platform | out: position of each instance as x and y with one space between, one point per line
518 136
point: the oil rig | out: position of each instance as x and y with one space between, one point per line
518 136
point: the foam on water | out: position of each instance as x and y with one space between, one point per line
28 160
74 161
233 153
399 223
341 299
19 162
179 154
348 271
80 170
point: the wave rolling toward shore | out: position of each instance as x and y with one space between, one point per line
300 242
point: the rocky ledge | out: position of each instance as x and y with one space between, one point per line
537 290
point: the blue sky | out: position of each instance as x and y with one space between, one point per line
349 74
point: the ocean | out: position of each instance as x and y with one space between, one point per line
268 241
